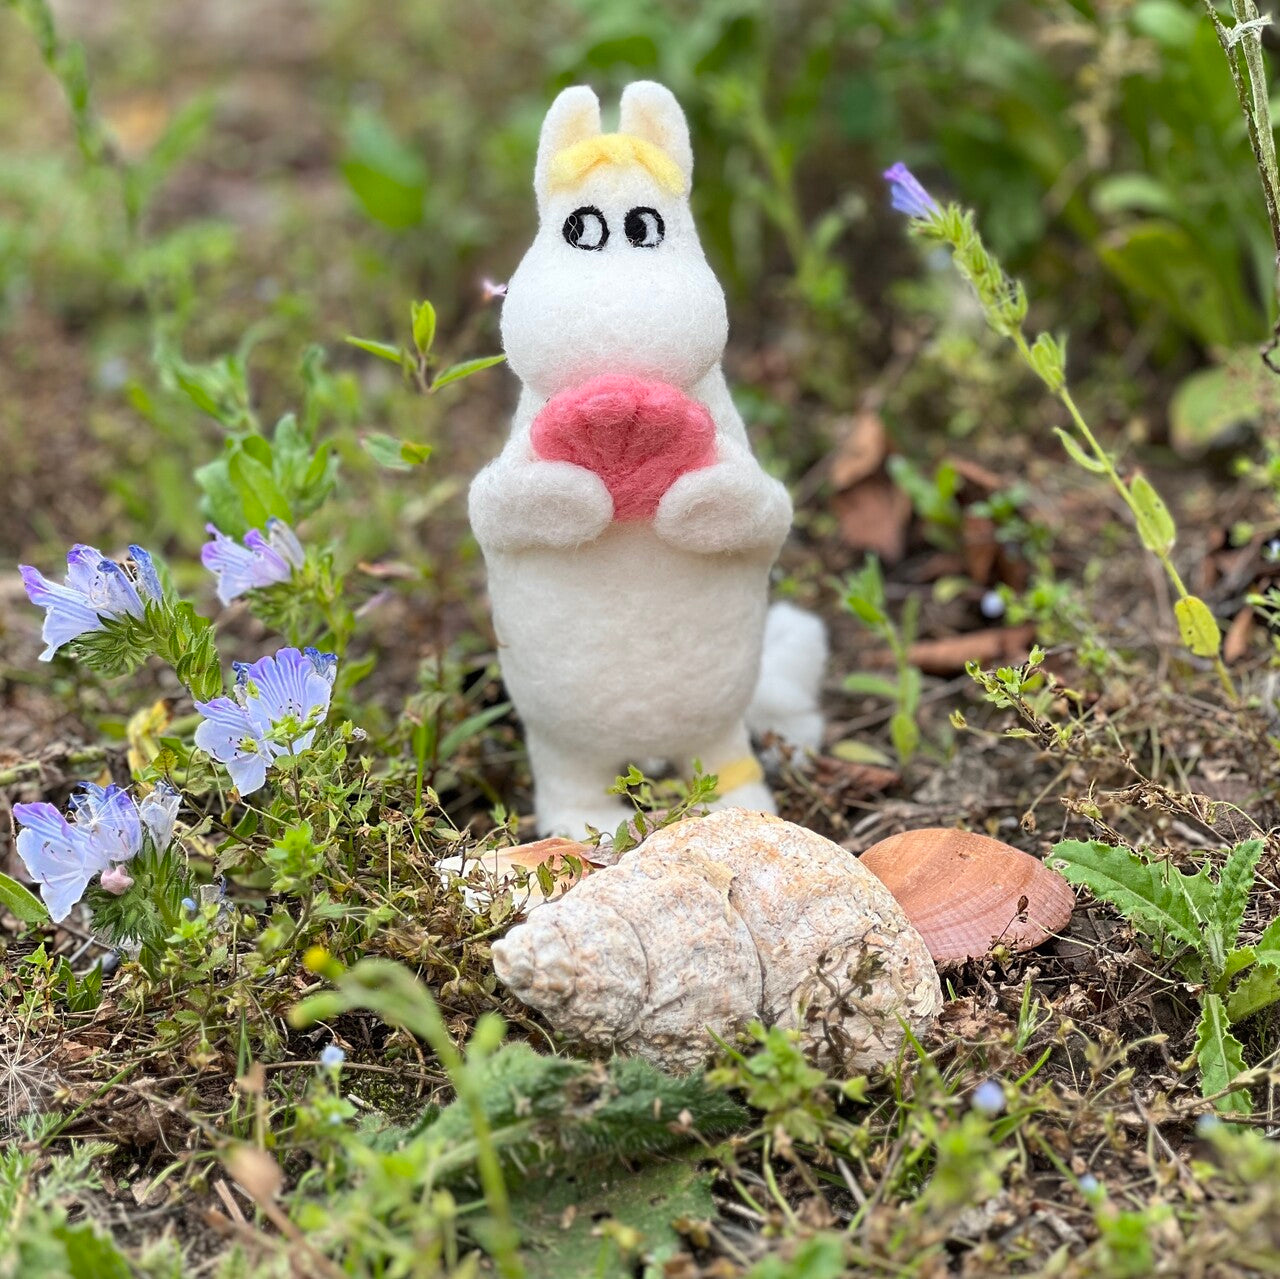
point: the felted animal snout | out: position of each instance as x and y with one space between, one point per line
638 436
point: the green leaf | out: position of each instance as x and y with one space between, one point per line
1213 407
1155 525
456 372
383 350
560 1242
1220 1056
1267 947
221 501
20 902
1235 882
1256 990
1151 895
853 751
1162 261
1197 626
91 1255
469 727
386 177
423 315
872 685
1129 192
1077 454
398 455
257 488
823 1256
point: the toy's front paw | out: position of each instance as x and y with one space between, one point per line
731 506
538 504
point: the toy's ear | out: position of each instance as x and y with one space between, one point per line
650 111
574 115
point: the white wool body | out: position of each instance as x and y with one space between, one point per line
638 640
786 700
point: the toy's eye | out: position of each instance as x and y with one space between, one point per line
585 228
645 228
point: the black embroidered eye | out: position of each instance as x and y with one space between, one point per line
645 228
585 228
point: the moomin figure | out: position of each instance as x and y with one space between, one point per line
627 528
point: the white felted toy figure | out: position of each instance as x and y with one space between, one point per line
627 528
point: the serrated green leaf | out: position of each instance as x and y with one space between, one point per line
1197 626
1155 525
1077 454
1267 947
423 315
1154 896
649 1202
1256 990
21 902
1235 882
1220 1056
456 372
383 350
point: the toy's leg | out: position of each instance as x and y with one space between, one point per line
742 782
571 790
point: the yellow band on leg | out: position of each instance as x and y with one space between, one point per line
738 772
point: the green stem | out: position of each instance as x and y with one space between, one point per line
1103 459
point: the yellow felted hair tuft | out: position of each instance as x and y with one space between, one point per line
570 166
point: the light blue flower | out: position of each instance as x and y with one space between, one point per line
95 589
907 195
158 812
108 815
332 1057
988 1097
105 830
59 856
261 561
241 732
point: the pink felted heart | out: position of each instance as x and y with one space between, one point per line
639 437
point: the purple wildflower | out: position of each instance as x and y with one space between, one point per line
94 590
240 732
261 561
907 195
105 829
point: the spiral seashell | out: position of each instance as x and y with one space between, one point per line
714 922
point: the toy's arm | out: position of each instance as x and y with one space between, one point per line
520 502
732 505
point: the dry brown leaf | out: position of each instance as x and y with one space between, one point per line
1239 633
861 452
947 656
874 515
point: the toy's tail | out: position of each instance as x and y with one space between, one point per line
786 698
